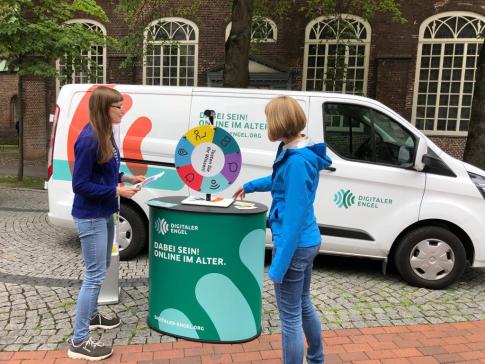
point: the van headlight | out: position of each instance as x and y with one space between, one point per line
479 181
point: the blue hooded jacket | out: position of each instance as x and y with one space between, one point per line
293 185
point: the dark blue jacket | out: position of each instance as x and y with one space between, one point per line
293 185
94 184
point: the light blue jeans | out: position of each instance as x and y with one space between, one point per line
96 237
297 314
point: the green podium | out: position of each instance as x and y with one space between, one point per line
206 270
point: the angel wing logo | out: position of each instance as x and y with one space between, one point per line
161 226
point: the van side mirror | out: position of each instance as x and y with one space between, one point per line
421 150
435 165
429 159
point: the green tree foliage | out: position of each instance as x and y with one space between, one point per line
335 77
274 9
139 13
33 34
364 8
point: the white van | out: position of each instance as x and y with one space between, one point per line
390 194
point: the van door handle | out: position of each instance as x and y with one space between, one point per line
331 169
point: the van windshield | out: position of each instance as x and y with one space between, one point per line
361 133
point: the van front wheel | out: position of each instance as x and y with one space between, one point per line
132 232
430 257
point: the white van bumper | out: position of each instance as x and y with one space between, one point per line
478 263
61 221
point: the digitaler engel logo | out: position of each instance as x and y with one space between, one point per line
344 198
161 226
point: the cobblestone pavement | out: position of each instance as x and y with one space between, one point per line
41 272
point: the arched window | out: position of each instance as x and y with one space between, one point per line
171 49
445 72
91 67
337 55
263 30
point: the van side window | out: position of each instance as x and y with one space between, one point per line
363 134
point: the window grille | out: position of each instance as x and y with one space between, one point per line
91 66
171 47
263 30
337 55
448 50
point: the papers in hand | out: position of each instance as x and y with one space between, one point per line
149 180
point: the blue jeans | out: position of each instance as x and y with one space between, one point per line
96 237
296 310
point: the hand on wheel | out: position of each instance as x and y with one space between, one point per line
239 194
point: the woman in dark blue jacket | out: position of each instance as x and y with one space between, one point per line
295 232
95 182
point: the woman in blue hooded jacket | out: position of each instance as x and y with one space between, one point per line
296 237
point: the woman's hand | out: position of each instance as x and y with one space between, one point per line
133 179
239 194
127 192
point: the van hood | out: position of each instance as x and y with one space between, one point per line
472 169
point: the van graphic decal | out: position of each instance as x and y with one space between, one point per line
132 144
237 124
79 120
344 198
170 181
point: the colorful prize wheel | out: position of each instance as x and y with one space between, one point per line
208 159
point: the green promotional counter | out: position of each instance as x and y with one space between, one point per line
206 270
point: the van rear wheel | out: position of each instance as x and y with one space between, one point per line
132 232
430 257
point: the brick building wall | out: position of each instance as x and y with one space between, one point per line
392 62
212 26
392 76
35 104
8 91
454 146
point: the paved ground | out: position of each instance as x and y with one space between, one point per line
41 269
419 344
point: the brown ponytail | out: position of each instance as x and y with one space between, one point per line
99 104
